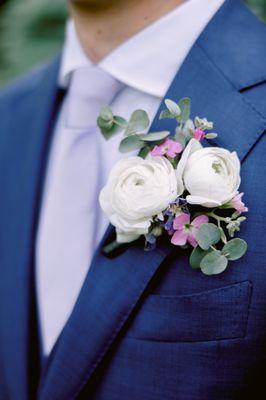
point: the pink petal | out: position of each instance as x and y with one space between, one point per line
171 153
238 204
179 238
181 220
201 219
176 146
157 151
199 134
192 240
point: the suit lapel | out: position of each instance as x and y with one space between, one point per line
27 141
215 92
113 287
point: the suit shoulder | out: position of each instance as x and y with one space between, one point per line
234 41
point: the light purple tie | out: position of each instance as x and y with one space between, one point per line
68 223
90 89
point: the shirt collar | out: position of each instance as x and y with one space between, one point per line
149 60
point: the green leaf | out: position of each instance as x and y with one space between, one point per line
165 114
234 249
103 124
130 143
154 136
211 135
184 105
108 133
144 151
196 256
213 263
179 137
188 129
120 121
174 108
106 113
139 121
207 235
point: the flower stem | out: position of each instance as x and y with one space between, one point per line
217 217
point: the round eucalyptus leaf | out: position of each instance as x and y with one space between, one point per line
165 114
139 121
173 107
196 256
207 235
106 113
102 123
120 121
154 136
213 263
130 143
184 105
144 151
234 249
108 133
211 135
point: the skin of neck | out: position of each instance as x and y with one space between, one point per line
102 25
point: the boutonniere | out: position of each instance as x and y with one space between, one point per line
175 187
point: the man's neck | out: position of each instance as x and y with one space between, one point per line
102 28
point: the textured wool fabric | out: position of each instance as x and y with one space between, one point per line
145 326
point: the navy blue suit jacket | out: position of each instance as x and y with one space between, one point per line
145 326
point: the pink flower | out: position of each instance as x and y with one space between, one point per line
185 231
199 134
238 204
169 147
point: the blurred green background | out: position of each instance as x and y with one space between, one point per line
32 31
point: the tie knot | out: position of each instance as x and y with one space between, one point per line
90 89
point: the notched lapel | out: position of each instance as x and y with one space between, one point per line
209 77
109 294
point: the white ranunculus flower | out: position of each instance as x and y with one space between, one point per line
211 175
136 191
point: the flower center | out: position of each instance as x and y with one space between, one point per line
188 227
217 167
139 182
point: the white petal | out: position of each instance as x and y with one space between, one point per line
192 146
203 201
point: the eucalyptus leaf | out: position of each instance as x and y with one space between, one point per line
165 114
139 121
130 143
179 137
103 124
234 249
213 263
154 136
109 132
196 256
173 108
188 129
184 105
122 122
106 113
144 151
211 135
207 235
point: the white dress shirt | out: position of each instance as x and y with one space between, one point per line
135 75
